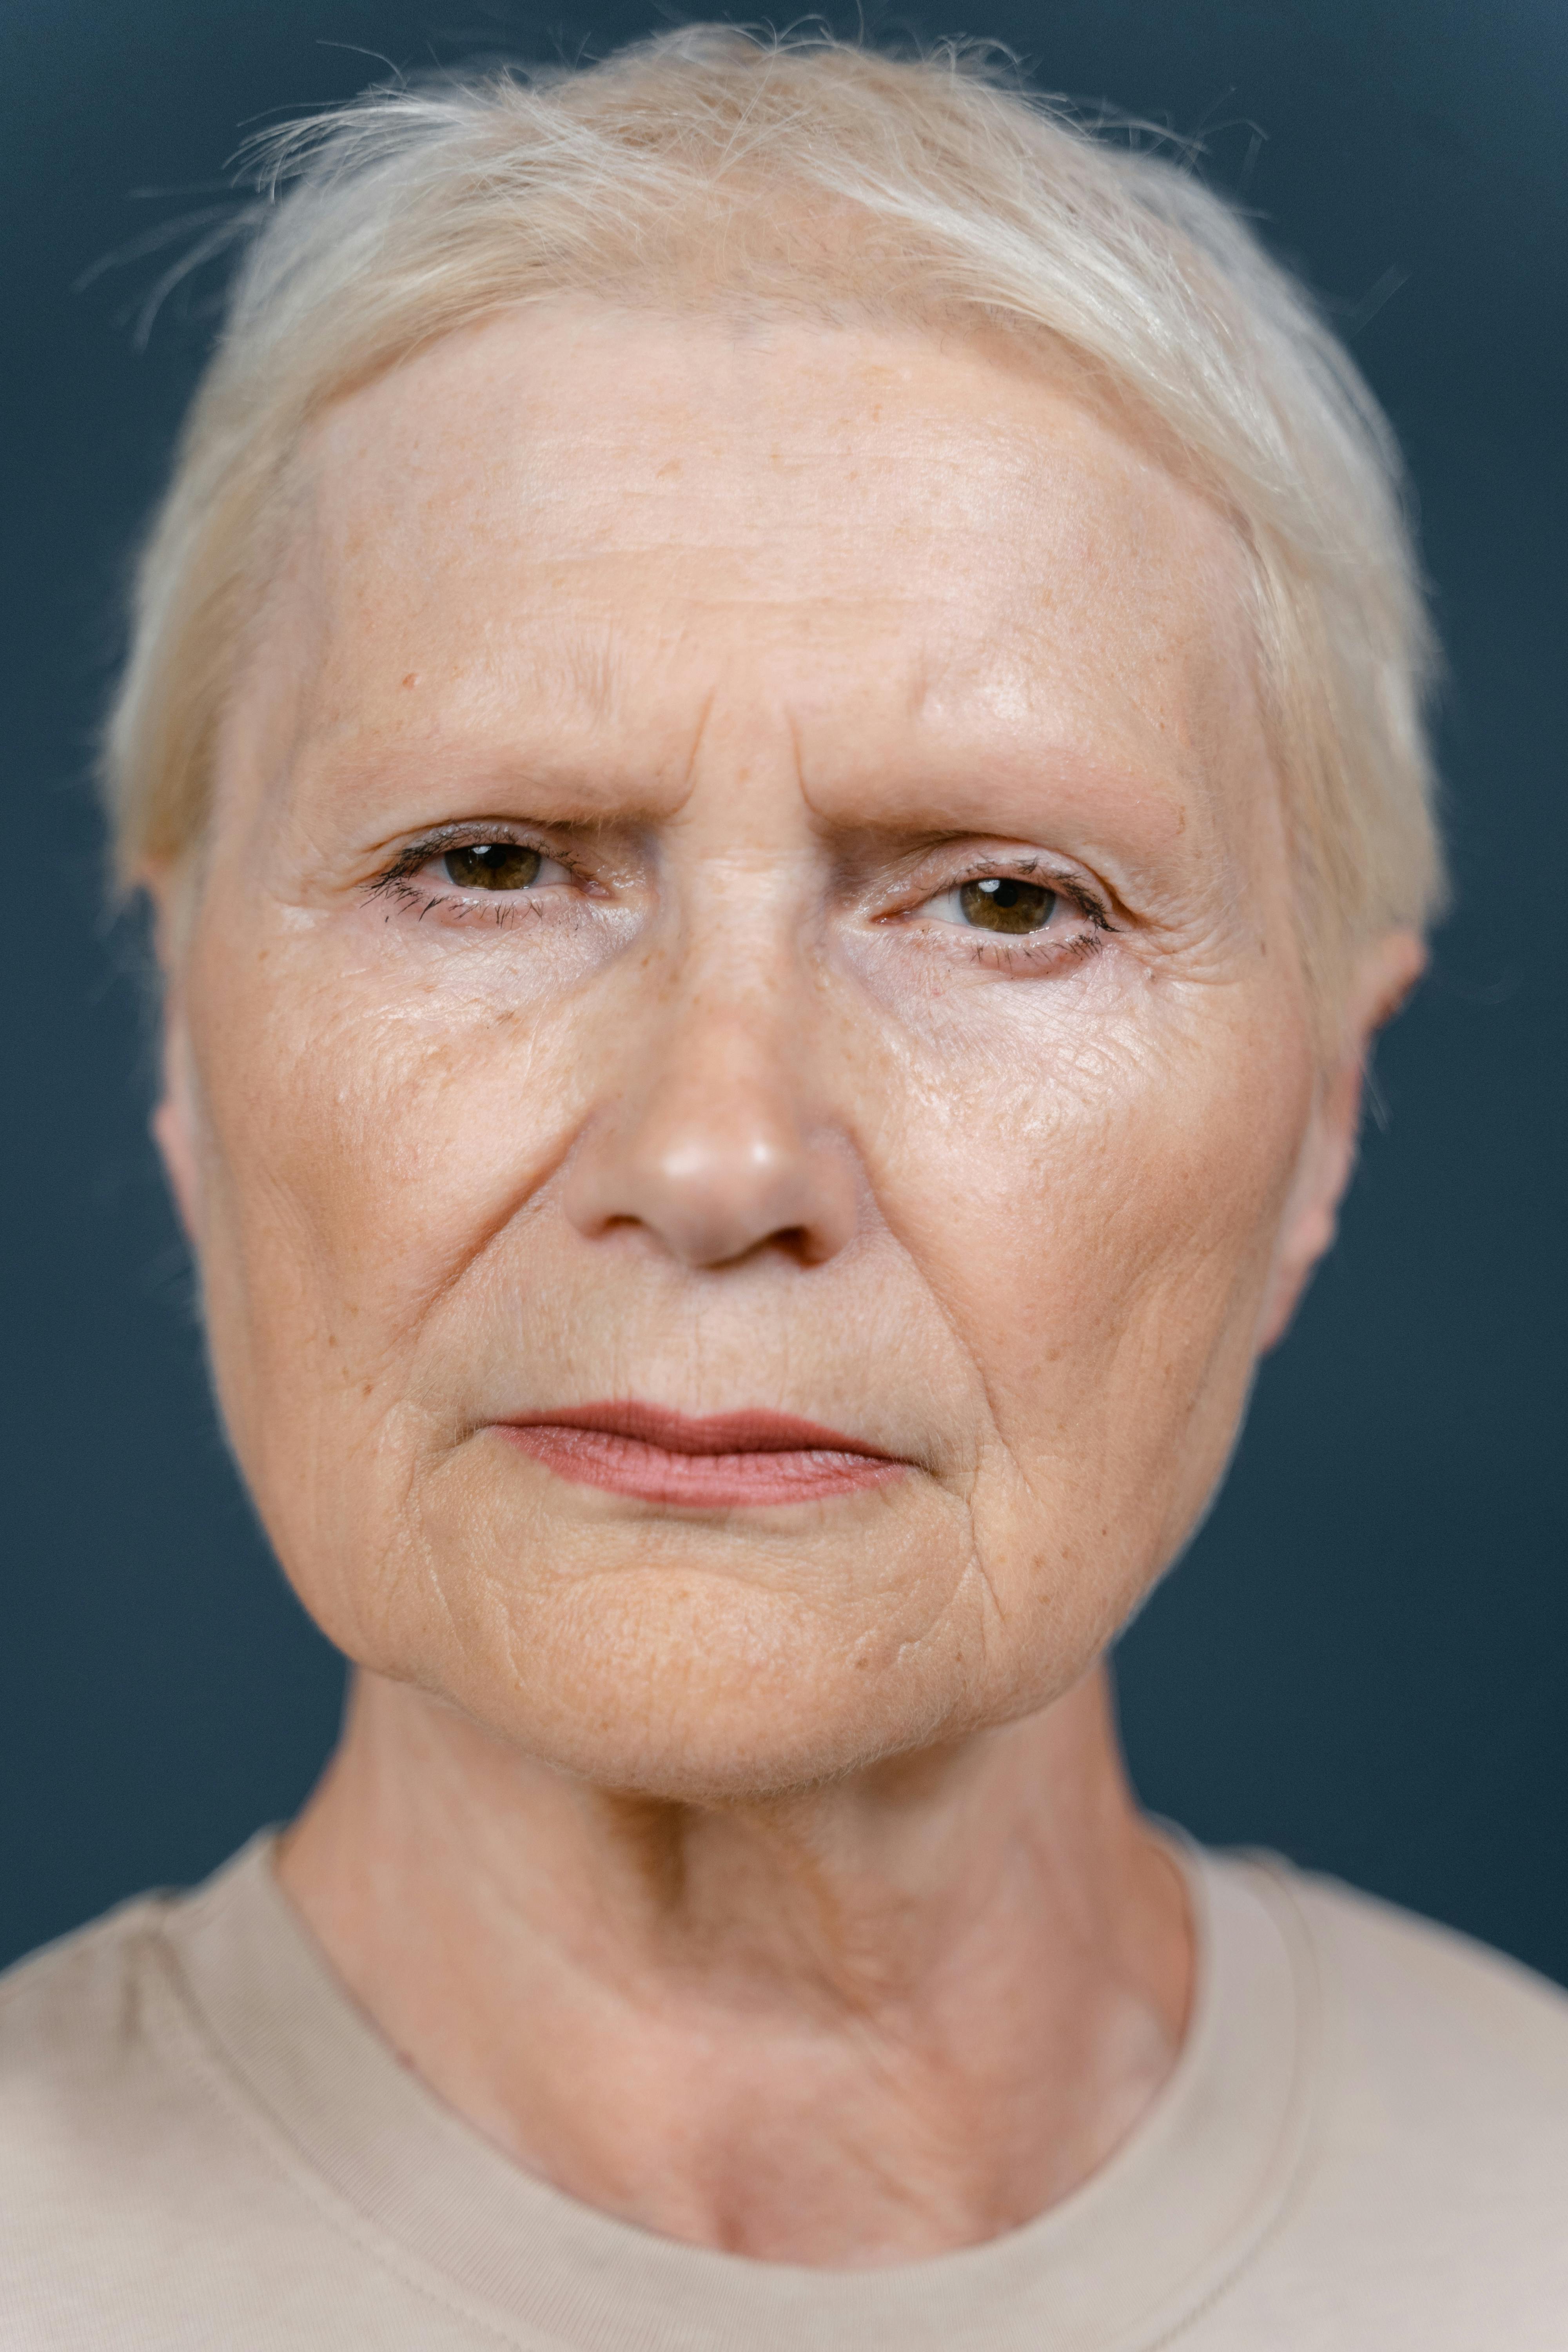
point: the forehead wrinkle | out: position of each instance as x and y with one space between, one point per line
694 751
578 664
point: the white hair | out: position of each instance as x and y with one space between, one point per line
711 166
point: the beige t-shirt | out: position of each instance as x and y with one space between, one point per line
204 2144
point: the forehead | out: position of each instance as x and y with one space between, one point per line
590 522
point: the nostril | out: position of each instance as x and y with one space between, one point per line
715 1171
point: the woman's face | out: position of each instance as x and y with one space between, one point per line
745 879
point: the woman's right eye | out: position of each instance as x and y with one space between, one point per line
498 865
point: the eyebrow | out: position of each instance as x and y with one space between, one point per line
1108 807
512 779
1119 824
571 760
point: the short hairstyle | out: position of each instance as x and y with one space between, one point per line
713 167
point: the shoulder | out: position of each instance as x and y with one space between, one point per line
1432 2177
151 2197
1443 2024
89 2082
80 2093
74 2012
122 2161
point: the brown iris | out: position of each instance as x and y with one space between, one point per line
492 866
997 903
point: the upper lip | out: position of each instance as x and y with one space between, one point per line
751 1430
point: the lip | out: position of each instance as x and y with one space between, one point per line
721 1461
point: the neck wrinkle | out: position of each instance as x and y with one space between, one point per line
857 2024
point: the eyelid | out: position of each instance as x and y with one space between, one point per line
416 855
1028 867
1093 905
447 848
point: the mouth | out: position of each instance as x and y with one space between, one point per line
723 1461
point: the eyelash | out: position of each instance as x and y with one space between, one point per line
398 883
996 953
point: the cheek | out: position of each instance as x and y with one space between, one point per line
1080 1219
1098 1236
358 1158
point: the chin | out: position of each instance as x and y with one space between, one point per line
698 1688
711 1658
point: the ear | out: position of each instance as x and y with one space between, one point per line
1384 976
174 1119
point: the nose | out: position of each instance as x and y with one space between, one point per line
714 1154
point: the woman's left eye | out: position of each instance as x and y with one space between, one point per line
499 866
995 902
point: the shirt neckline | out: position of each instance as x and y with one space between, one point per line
1146 2242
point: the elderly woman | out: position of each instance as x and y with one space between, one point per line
775 723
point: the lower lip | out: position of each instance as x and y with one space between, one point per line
751 1475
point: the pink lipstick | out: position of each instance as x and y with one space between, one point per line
720 1462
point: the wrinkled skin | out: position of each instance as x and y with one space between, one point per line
768 642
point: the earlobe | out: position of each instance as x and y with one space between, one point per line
1387 972
171 1127
175 1118
173 1122
1310 1222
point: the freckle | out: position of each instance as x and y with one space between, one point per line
367 1388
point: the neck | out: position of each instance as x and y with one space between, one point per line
856 2025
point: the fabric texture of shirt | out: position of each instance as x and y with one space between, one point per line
205 2144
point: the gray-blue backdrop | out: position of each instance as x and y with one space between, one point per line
1362 1659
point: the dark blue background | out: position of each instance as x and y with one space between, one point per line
1361 1661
